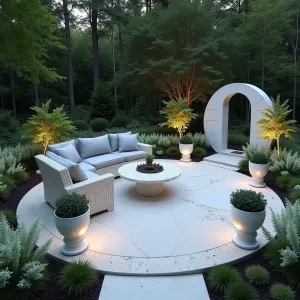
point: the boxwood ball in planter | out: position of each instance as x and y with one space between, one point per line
72 219
258 168
248 211
186 147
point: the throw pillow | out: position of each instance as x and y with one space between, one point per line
114 141
68 152
74 169
52 147
128 142
89 147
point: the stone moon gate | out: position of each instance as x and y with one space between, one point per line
217 111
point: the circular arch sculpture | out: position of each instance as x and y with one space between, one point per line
217 110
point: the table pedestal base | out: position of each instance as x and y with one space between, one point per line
149 189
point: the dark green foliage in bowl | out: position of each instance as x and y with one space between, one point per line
257 275
259 158
71 206
241 291
99 124
186 139
247 200
280 291
173 151
221 277
199 152
78 278
244 166
81 125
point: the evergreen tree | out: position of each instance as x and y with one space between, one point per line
103 102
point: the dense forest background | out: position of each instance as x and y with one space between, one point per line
125 56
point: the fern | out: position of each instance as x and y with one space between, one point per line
285 161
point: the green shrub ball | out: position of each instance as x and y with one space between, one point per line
99 124
199 152
81 125
221 277
244 166
119 121
78 278
257 275
280 291
241 291
173 151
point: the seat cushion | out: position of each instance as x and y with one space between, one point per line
52 147
114 140
128 142
89 147
91 175
132 155
86 167
74 169
68 152
104 160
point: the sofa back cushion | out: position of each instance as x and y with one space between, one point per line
69 152
74 169
89 147
53 147
128 142
114 140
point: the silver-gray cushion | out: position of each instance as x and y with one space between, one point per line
89 147
104 160
68 152
86 167
91 175
74 169
128 142
132 155
52 147
114 141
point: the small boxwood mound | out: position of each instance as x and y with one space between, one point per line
173 151
244 166
81 125
119 121
77 278
257 275
99 124
241 291
199 152
71 206
221 277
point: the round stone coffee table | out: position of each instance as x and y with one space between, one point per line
149 185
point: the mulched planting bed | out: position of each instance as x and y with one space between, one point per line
54 267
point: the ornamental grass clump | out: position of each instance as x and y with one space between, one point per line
186 139
280 291
284 180
251 149
199 152
22 265
221 277
247 200
257 275
259 158
283 252
78 278
71 206
241 291
149 158
244 165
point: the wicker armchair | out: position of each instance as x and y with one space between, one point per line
57 182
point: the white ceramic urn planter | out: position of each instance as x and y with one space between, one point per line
258 173
73 230
246 224
186 151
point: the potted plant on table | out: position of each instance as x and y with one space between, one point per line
186 147
72 218
258 168
248 211
149 161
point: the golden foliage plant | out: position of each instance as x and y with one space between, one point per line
48 127
274 123
178 115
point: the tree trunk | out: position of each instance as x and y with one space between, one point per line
69 54
278 149
2 103
36 91
95 37
296 61
12 82
263 61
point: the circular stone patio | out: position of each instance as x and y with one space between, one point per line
186 229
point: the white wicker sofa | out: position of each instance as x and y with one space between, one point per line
88 166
